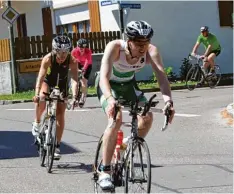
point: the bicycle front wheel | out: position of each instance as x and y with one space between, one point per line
51 144
42 136
215 78
138 168
193 77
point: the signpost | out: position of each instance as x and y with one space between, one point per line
11 15
122 7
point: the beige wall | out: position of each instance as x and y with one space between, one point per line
33 12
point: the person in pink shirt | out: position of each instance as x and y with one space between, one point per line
83 55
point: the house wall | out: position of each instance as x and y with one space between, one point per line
33 12
176 27
72 14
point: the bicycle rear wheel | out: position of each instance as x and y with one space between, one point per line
214 80
52 141
116 175
97 163
193 77
138 168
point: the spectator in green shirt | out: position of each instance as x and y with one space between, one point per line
212 48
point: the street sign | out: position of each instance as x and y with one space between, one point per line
10 15
131 6
108 2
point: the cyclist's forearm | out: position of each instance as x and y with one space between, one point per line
105 87
40 79
195 48
165 88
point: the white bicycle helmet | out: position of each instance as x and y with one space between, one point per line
139 29
61 43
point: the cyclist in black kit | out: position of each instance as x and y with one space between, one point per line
55 67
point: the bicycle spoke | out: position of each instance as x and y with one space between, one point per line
215 78
138 172
51 144
193 77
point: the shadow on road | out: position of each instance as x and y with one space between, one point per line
19 144
73 167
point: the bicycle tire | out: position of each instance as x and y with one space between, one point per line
52 144
215 79
129 168
79 94
194 75
42 150
96 164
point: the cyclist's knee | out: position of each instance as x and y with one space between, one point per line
118 120
145 121
61 109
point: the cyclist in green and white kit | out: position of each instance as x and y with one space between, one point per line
212 49
120 61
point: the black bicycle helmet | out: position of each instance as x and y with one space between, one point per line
139 29
204 29
61 43
82 43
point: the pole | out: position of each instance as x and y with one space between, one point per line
121 20
12 49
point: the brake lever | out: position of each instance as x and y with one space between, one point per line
166 120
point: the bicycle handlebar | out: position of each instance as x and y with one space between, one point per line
50 97
197 57
135 110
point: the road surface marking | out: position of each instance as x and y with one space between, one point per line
124 111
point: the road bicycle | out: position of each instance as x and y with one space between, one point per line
195 74
125 170
47 140
70 104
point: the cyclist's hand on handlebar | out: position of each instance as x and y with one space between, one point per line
205 59
168 109
36 98
111 107
193 54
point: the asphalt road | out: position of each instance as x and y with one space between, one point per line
194 155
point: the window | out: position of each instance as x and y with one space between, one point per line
225 13
21 26
88 26
79 27
69 28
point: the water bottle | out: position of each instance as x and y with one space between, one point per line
118 144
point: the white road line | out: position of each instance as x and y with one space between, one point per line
124 111
21 109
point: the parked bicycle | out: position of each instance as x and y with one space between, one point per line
70 104
195 74
47 139
125 171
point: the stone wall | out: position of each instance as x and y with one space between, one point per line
5 78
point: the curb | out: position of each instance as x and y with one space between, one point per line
230 108
6 102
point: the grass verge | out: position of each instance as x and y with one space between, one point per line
27 95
